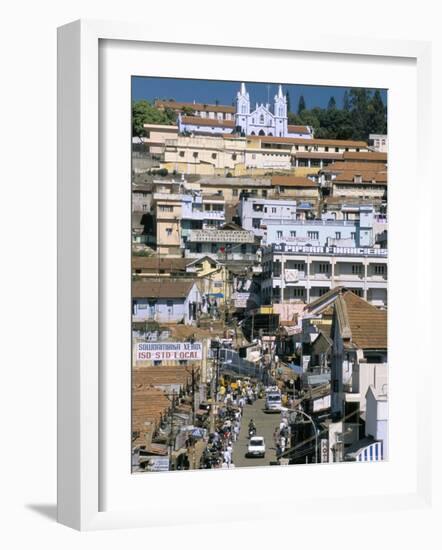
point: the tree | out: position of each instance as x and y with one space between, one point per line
301 104
359 101
143 112
287 99
346 101
377 115
331 103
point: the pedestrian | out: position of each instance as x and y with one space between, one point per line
227 458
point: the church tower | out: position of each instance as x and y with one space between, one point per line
242 108
280 113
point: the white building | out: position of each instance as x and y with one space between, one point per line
293 273
376 417
379 142
325 232
255 213
166 301
264 120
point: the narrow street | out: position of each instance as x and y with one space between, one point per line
265 425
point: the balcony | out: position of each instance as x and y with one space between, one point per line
204 215
327 250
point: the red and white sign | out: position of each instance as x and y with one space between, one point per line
169 351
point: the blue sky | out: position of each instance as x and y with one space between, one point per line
208 91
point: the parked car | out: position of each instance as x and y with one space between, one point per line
256 447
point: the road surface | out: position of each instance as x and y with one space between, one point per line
265 425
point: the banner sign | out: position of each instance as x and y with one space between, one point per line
169 351
324 450
158 464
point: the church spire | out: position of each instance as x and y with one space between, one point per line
280 92
243 89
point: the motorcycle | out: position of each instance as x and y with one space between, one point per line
252 431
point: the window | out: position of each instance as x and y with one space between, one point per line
358 291
235 192
379 269
298 292
326 149
293 234
273 210
195 154
169 303
322 291
264 193
337 235
299 266
243 109
356 269
279 234
218 207
214 155
181 153
166 208
234 156
336 149
324 268
353 235
313 235
144 207
261 119
169 231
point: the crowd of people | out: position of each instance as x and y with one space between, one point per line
232 399
281 436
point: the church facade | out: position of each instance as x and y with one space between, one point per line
264 120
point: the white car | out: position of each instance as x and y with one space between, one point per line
256 446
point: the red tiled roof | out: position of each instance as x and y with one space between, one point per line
292 181
198 121
178 105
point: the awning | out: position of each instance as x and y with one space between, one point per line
215 295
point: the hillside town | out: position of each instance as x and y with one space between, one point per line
259 291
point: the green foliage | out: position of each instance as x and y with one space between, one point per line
143 112
331 103
187 111
301 105
287 98
160 172
363 113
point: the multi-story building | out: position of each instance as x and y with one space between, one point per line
379 142
254 213
178 210
228 243
166 301
293 272
324 232
201 212
358 361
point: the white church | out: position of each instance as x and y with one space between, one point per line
262 121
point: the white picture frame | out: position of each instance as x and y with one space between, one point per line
81 395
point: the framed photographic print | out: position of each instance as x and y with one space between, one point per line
231 223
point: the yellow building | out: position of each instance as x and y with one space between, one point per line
167 208
213 278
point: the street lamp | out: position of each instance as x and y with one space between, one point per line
298 411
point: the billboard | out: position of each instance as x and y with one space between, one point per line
169 351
